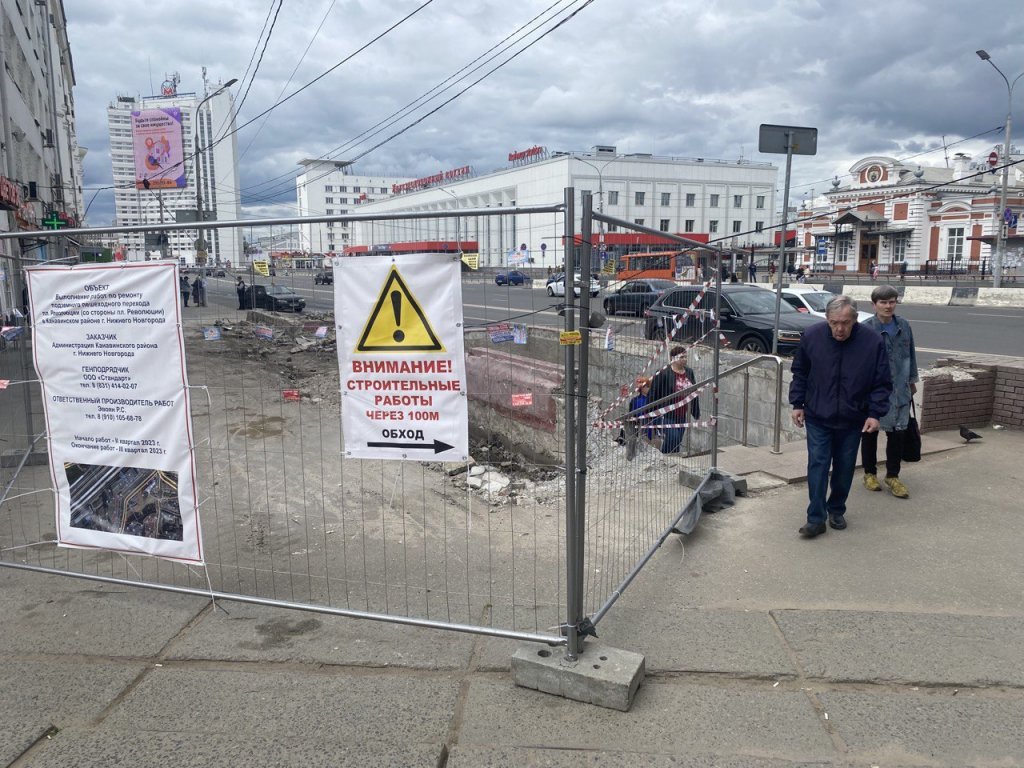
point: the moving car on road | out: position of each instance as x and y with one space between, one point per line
747 317
557 288
635 296
276 298
513 277
813 301
324 277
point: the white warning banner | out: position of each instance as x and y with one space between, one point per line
109 352
400 355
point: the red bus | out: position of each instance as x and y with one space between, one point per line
666 265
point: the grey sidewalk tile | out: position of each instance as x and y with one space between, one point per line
480 757
54 614
372 707
667 717
87 748
938 729
936 649
35 695
19 733
743 643
255 633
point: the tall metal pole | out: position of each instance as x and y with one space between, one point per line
573 535
197 159
782 242
1000 224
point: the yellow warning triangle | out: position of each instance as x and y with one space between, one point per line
397 324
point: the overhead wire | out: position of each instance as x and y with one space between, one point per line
298 64
394 116
473 84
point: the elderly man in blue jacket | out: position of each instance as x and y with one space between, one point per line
840 389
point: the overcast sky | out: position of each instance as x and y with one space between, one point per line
687 78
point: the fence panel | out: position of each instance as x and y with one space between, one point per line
478 546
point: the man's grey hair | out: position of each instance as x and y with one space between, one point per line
884 293
840 304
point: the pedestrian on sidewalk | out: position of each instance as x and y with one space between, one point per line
752 272
197 291
840 389
902 354
185 289
676 377
240 290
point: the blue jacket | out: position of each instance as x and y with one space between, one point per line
841 383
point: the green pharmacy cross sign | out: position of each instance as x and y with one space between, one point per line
53 221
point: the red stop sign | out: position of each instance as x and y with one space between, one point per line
993 159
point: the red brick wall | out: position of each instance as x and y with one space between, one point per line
994 394
1008 407
947 403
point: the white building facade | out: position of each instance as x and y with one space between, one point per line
330 187
209 142
40 160
727 203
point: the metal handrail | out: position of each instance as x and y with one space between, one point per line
671 397
777 429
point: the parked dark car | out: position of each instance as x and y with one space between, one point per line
747 317
513 277
276 298
635 296
324 277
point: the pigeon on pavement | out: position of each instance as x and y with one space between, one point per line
967 435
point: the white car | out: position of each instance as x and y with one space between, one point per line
813 301
557 288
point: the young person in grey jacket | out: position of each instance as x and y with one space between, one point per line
899 345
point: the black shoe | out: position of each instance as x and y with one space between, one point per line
809 531
837 521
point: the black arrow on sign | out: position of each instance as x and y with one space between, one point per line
438 446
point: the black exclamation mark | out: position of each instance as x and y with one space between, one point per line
396 307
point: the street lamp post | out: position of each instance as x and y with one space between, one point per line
197 159
600 195
1001 226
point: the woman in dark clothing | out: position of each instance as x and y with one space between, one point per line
677 377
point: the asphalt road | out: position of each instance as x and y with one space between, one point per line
938 331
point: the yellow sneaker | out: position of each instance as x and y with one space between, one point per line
899 490
871 482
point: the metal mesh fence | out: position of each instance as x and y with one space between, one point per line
286 516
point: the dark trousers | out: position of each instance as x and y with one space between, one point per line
834 449
893 452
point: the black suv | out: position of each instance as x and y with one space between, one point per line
747 317
276 298
324 277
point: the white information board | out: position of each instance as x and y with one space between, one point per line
110 356
400 355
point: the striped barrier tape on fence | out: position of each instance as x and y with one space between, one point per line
603 424
705 424
630 392
669 337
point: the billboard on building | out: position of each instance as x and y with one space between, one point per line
157 143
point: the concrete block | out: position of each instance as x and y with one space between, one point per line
607 677
922 295
1000 297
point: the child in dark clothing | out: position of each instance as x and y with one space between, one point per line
639 400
